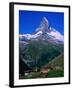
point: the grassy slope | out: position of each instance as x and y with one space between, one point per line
57 61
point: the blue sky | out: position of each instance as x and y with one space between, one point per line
30 20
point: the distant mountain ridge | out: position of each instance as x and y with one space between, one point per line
44 32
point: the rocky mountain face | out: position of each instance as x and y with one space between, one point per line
43 33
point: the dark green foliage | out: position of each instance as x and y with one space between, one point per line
57 61
23 67
55 73
51 74
38 54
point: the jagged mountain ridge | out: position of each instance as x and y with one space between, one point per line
44 32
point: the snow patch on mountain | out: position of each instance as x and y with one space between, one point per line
36 35
27 36
56 35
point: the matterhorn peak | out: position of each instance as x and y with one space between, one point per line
44 32
44 18
44 24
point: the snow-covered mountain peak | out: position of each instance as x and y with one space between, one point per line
44 24
45 19
44 32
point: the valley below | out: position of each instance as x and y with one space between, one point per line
41 60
